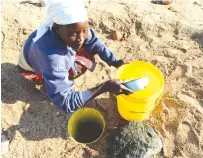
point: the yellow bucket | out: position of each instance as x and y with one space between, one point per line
86 125
138 105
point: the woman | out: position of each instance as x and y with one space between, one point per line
62 49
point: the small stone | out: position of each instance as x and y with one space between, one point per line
159 34
125 36
25 32
172 9
26 108
117 35
134 140
99 30
16 21
4 143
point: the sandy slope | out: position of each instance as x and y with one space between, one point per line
171 37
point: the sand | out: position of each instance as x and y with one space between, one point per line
170 37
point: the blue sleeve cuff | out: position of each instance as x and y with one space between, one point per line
114 61
86 96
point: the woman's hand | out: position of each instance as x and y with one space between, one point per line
116 87
122 62
113 86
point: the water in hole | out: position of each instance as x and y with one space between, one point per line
88 131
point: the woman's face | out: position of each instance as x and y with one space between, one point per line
73 35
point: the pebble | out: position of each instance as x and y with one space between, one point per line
25 32
26 107
172 9
99 30
117 35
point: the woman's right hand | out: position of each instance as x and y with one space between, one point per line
116 87
113 86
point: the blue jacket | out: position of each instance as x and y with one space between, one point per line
48 57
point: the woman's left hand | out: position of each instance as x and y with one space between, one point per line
122 62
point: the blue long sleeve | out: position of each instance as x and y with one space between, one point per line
96 46
48 57
60 91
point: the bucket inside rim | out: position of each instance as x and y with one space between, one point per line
86 125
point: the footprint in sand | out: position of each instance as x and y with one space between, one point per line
187 133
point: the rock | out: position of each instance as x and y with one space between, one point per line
99 30
4 143
117 35
26 108
159 34
25 32
135 140
125 36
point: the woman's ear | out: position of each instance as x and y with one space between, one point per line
56 27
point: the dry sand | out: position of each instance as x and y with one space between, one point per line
171 37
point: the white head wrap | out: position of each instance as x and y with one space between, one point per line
62 12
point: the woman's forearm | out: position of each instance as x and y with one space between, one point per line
96 91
